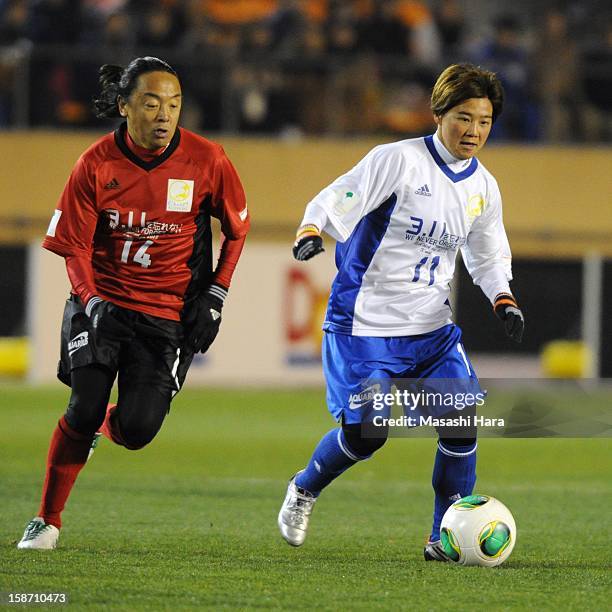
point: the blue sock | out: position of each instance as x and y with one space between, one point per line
331 457
454 476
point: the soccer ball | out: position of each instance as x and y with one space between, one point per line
478 530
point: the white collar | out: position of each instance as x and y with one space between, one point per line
456 165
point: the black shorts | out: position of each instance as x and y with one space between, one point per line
154 356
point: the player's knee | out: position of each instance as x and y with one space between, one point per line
82 424
362 444
85 420
137 436
139 423
135 440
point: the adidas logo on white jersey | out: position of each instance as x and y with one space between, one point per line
424 190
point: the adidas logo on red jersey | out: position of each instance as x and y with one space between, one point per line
114 184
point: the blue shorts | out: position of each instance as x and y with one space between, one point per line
352 364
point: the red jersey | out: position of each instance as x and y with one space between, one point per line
145 225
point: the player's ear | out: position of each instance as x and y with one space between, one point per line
122 105
438 119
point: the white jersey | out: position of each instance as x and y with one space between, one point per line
400 216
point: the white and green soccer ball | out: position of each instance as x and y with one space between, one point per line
478 530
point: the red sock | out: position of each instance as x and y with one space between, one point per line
109 428
67 455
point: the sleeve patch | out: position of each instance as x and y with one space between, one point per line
243 213
53 224
346 200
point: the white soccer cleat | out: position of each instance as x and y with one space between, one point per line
434 551
94 444
295 513
38 535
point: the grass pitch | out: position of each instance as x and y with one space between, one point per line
190 521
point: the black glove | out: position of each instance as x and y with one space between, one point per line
507 310
107 319
204 318
308 243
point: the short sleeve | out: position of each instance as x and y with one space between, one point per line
361 190
74 221
228 200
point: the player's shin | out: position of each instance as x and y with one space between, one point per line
331 457
68 453
454 476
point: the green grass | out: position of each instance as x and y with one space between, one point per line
190 521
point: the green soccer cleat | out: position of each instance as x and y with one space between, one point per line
295 513
433 551
39 536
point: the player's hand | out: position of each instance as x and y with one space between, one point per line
202 324
507 310
308 243
107 319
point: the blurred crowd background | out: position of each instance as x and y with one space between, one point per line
293 67
301 73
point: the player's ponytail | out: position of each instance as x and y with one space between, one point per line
115 82
109 77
